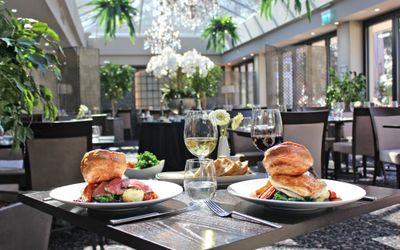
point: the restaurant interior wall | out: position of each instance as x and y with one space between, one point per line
244 79
381 36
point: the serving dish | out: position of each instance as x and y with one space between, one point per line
347 192
145 173
70 194
177 177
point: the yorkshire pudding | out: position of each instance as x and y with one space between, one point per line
287 158
102 165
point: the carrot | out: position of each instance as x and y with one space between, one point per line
263 188
268 193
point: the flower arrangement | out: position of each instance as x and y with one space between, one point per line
222 119
83 112
189 74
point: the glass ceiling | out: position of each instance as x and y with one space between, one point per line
240 10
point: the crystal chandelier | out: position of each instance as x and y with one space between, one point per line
194 13
161 35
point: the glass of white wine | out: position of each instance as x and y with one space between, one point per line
200 180
200 133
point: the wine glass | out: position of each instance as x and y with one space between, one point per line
200 180
200 133
266 128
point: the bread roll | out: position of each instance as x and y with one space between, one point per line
102 165
300 186
287 158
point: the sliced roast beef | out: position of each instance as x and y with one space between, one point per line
125 183
100 189
140 185
115 187
87 192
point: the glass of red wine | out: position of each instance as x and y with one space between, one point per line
266 128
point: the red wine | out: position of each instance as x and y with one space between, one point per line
264 142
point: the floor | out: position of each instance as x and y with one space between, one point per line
377 230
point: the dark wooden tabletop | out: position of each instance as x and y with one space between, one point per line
340 121
392 126
201 229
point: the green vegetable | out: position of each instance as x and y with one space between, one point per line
104 198
280 196
146 160
283 197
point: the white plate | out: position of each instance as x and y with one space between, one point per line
71 193
146 173
177 177
347 192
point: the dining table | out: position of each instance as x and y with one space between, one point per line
103 141
201 229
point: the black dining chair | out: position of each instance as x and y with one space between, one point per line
309 129
362 141
386 140
52 158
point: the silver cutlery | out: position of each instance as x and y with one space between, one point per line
149 215
223 213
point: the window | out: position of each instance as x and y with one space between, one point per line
244 78
380 62
333 52
147 91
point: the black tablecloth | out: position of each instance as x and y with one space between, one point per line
165 140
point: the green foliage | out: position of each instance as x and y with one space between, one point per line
170 91
206 86
20 55
217 31
146 160
266 7
350 87
112 14
116 80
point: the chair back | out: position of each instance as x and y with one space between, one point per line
53 156
363 135
307 128
385 138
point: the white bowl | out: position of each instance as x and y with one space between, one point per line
146 173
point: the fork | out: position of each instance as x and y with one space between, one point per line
223 213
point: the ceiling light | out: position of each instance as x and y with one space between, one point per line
244 58
46 44
313 33
336 23
229 64
106 61
14 10
252 54
377 9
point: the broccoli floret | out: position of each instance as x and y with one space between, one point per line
146 160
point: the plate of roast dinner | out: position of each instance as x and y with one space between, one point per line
106 189
290 185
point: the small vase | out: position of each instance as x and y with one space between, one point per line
223 147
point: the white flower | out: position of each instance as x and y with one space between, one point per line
220 116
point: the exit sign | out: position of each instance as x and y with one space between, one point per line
328 16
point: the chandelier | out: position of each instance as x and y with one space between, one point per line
194 13
161 35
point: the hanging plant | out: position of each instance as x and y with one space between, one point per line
217 31
267 5
112 14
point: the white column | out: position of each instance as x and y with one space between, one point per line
261 78
350 46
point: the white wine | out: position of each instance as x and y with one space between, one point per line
201 146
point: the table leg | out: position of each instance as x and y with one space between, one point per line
336 155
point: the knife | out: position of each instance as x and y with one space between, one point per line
147 216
